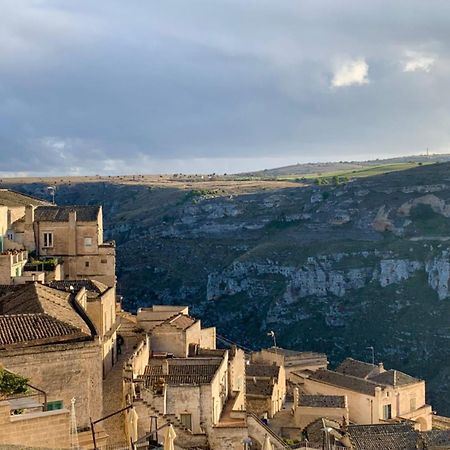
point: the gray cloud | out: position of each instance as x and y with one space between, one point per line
208 85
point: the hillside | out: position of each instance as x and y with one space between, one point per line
350 168
334 268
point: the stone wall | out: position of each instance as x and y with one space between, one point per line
48 429
258 405
208 337
63 371
304 415
236 378
186 400
228 438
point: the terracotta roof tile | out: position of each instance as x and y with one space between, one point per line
322 401
180 321
93 286
49 309
12 198
344 381
61 213
259 387
262 370
355 368
35 329
394 378
181 371
385 436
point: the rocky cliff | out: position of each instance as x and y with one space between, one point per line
333 268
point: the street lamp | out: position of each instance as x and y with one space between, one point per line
272 334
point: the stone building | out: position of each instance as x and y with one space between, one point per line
12 263
75 235
148 318
293 361
100 304
173 331
178 376
374 394
308 408
47 336
13 207
71 235
266 389
202 396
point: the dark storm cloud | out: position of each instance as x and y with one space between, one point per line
109 86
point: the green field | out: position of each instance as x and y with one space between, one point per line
357 173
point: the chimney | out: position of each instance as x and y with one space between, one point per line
72 233
254 380
29 215
296 397
72 216
381 368
165 367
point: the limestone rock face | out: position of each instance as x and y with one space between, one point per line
319 277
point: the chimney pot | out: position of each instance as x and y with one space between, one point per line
165 367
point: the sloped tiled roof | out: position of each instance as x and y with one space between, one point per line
315 429
35 329
55 213
181 371
385 436
259 387
355 368
179 321
211 352
437 438
394 378
12 198
92 286
262 370
38 312
322 401
37 298
345 381
295 353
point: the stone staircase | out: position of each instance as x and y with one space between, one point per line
258 430
185 438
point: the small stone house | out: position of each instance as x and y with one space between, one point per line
308 408
75 234
374 394
265 389
293 361
179 335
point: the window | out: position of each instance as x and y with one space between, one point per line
86 264
88 242
57 404
103 261
48 240
387 412
186 420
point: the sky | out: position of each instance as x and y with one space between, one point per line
202 86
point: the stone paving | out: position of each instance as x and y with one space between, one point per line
112 396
